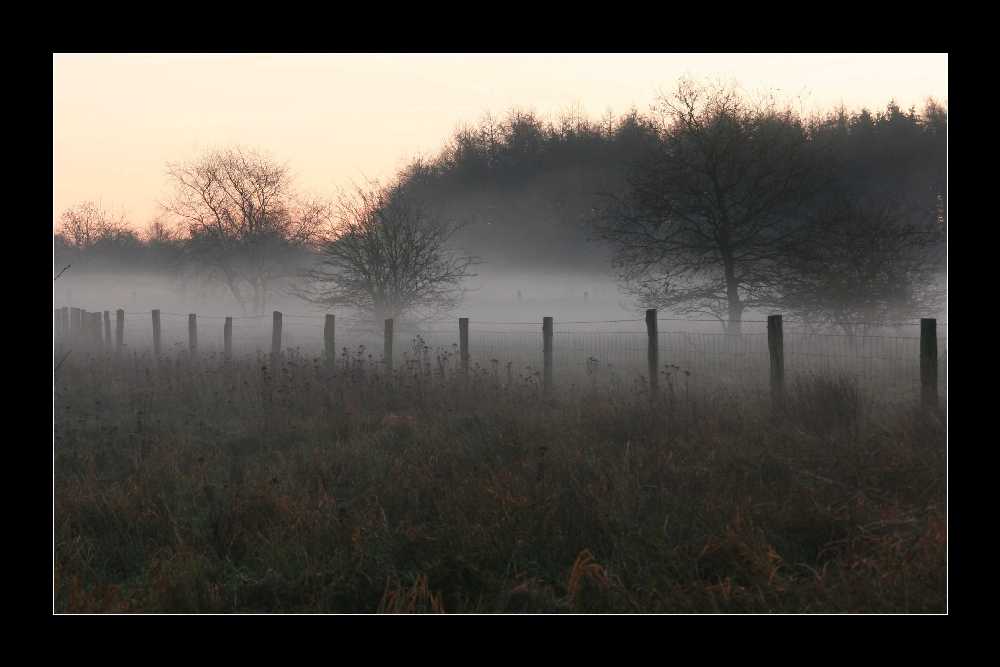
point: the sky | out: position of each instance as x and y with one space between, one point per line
341 119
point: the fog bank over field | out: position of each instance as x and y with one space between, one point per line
492 294
495 298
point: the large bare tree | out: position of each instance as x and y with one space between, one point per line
711 210
245 225
386 257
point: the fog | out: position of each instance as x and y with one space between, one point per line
672 361
836 221
498 297
491 295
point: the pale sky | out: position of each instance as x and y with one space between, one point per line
338 119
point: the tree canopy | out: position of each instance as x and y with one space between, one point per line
385 256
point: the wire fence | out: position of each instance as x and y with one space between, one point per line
885 360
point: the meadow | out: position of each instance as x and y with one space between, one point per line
243 485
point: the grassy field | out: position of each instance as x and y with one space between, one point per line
215 487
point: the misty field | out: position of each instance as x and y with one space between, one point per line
212 486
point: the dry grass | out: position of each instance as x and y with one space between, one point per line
243 487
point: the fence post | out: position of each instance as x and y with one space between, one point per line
193 334
463 344
653 353
156 332
388 345
107 330
329 341
119 331
74 324
227 339
276 338
85 336
776 348
97 339
928 362
547 354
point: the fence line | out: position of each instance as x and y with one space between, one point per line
896 362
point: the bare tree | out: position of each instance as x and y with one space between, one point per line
244 223
710 212
88 223
158 231
387 258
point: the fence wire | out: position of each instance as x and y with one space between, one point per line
886 362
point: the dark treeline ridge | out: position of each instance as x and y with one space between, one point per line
527 186
530 193
843 212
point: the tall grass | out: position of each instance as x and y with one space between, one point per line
239 486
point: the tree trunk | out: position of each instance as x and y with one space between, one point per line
235 290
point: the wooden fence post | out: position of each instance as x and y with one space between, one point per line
463 344
776 348
98 338
387 353
547 355
107 330
653 353
227 339
276 339
85 335
74 323
193 334
329 339
119 331
156 332
928 362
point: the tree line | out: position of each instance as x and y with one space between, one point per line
715 202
